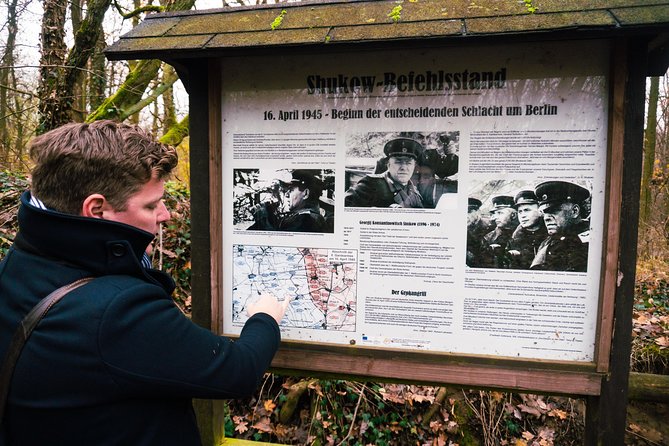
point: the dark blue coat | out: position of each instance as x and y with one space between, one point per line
115 362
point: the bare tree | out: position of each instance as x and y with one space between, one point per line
649 149
61 74
6 75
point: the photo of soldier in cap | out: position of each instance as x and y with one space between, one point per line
477 227
495 243
394 187
565 211
529 234
290 201
435 170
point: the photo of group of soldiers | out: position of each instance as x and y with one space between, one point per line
291 200
414 171
541 228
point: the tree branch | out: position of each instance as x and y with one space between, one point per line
138 11
147 100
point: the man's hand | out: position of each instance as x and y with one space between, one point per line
268 304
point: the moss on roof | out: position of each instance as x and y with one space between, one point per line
330 22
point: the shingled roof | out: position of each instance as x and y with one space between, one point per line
187 34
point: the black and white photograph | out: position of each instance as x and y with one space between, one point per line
401 169
513 224
288 200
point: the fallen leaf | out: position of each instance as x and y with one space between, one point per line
557 413
284 432
497 396
269 405
435 426
263 425
546 433
531 410
242 427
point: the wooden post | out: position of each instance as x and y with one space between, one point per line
209 413
606 414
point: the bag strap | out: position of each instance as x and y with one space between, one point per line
22 333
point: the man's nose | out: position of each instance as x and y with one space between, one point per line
163 213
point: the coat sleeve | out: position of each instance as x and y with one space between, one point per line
363 194
150 348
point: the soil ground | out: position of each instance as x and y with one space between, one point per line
647 424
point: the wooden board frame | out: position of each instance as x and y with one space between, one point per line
554 377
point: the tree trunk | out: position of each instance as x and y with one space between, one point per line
7 73
19 111
78 97
649 152
155 116
52 40
137 81
97 77
132 64
56 106
169 111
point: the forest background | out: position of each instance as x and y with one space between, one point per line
53 71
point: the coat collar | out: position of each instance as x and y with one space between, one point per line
101 247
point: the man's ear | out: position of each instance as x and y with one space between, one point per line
576 210
94 206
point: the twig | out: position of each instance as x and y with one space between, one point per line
628 430
160 244
262 388
355 414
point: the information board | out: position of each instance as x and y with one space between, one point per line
316 212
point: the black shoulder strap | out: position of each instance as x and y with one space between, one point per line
22 333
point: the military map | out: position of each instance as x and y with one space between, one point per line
321 284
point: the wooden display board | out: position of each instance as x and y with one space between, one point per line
410 303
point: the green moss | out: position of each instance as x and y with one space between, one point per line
396 13
530 7
278 20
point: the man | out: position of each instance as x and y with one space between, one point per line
564 206
302 203
295 207
115 362
530 232
496 242
477 228
434 168
394 187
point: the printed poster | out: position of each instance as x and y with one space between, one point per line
448 200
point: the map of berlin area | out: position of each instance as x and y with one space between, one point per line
321 284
